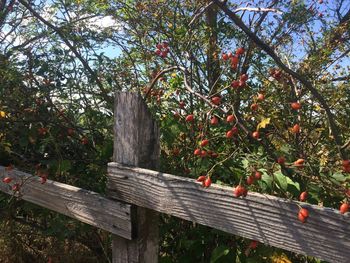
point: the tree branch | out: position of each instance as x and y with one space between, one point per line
307 84
72 48
257 9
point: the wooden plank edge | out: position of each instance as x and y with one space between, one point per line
83 205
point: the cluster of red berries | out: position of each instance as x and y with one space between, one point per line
8 179
241 83
205 180
203 153
162 49
254 177
234 58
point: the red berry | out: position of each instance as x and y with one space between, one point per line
182 104
229 54
240 191
201 178
158 52
42 131
242 84
256 135
207 182
301 218
253 244
15 187
250 180
234 66
281 160
84 141
344 208
224 57
43 180
70 131
197 152
234 130
234 61
216 100
261 96
204 154
214 121
254 106
303 196
304 212
159 46
204 143
230 118
9 168
299 162
346 169
229 134
295 105
7 180
240 51
235 84
214 155
346 162
165 44
258 175
296 128
189 118
244 192
243 77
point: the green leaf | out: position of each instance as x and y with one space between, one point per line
281 180
245 163
339 177
293 187
266 180
218 253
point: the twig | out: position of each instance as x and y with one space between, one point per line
257 9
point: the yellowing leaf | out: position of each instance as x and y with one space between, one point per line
263 123
2 114
282 258
318 108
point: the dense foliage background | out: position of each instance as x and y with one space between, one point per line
61 62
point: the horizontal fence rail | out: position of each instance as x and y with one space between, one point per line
268 219
86 206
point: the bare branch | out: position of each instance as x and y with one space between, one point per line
257 9
200 12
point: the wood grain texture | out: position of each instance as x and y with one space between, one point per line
136 142
86 206
268 219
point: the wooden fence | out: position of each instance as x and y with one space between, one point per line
137 192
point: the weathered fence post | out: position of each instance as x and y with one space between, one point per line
136 143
